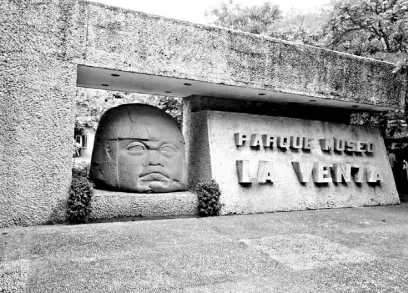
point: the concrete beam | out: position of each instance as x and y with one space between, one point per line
132 41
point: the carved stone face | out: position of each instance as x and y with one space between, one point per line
138 148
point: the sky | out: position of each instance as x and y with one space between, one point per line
194 10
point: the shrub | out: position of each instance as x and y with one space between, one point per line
208 199
80 195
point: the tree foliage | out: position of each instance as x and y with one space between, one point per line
252 19
302 27
376 29
269 20
371 28
92 103
389 123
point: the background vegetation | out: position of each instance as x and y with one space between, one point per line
92 103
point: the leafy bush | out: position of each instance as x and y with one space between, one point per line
80 195
208 199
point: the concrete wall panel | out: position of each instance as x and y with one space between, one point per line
43 46
286 192
137 42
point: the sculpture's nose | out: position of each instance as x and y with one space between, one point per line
153 158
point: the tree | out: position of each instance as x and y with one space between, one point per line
303 27
253 19
267 19
92 103
389 123
371 28
376 29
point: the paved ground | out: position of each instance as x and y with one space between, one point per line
342 250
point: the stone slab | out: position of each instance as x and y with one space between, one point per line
208 254
213 154
133 41
110 205
306 251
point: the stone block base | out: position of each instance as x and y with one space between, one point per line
111 205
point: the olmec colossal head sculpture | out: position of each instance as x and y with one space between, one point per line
138 148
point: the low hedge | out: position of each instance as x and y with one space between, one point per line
208 199
80 195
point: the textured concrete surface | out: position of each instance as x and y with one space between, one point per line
42 42
212 133
137 42
346 250
197 103
111 205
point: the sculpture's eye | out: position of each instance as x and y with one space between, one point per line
168 150
136 148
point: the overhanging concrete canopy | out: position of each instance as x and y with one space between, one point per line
102 78
153 54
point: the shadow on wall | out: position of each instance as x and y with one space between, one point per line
59 213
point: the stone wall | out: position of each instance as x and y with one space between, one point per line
110 205
213 133
40 48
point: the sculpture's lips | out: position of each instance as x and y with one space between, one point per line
154 173
154 176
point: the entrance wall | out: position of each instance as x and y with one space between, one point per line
266 164
43 42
